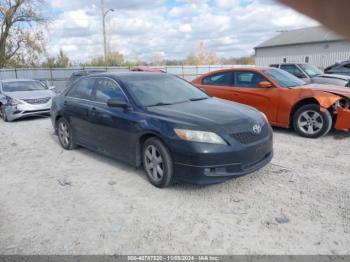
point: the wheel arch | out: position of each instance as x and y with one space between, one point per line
142 139
56 120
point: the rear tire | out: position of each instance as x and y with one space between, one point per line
157 163
65 134
309 121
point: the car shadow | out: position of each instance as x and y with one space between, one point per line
338 135
102 158
30 118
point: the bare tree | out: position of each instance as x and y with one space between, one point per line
158 59
202 56
17 19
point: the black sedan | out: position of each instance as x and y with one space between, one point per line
167 125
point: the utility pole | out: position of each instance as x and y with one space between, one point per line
104 13
104 29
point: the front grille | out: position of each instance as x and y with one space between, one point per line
251 137
36 101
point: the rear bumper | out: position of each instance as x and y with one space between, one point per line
200 163
343 119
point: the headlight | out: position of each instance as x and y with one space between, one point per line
11 101
265 117
199 136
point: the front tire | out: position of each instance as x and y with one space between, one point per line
3 113
157 163
309 121
65 134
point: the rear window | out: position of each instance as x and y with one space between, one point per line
220 79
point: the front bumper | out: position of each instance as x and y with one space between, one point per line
200 163
26 110
343 119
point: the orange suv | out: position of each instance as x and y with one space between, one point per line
286 100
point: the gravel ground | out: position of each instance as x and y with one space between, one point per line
77 202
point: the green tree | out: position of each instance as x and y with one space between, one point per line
113 59
60 61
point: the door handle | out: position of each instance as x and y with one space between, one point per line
93 111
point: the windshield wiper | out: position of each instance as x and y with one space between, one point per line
199 98
160 104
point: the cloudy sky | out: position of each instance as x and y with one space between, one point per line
142 29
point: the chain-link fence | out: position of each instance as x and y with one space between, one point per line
58 76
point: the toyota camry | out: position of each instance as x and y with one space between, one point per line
165 124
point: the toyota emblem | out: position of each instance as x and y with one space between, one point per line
257 129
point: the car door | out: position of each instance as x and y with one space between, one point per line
76 108
114 129
246 87
296 71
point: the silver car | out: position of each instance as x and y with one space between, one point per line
311 74
23 98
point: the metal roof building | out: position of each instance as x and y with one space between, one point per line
314 45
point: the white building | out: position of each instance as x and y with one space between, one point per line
313 45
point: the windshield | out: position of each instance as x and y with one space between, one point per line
283 78
22 86
311 70
162 89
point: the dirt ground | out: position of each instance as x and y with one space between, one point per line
77 202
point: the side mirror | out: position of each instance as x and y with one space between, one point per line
117 102
265 84
51 88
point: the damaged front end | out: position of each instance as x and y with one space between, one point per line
342 111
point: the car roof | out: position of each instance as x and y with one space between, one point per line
18 80
88 71
121 75
252 68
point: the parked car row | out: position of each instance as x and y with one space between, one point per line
212 130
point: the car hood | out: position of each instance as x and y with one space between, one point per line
30 94
337 90
211 114
342 77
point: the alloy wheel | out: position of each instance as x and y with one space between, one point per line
310 122
154 163
63 133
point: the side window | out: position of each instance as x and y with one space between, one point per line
82 89
248 79
106 89
274 65
292 69
220 79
